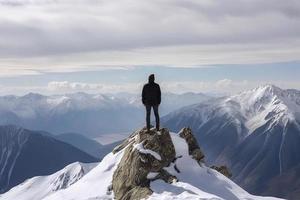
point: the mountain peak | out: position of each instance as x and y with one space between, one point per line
32 95
151 156
269 88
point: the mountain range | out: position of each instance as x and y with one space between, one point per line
87 114
256 133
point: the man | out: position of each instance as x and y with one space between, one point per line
151 97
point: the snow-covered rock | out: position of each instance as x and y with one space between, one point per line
195 181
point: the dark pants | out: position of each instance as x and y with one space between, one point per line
148 113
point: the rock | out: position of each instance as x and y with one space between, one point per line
145 152
126 142
223 170
194 149
196 153
167 177
137 193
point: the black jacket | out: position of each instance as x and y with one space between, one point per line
151 94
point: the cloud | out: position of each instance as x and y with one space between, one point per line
8 71
41 33
70 87
226 86
223 86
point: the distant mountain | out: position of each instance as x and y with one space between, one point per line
79 112
25 154
172 101
92 114
87 145
41 186
256 133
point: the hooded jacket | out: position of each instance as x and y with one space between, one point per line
151 94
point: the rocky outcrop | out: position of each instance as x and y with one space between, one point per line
223 170
146 154
196 153
194 149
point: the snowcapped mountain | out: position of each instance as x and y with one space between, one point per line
25 154
196 181
79 112
256 133
41 186
89 114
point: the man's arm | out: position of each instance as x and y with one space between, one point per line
143 95
159 95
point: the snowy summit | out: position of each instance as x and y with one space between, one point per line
156 165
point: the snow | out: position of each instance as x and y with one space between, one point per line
252 108
195 182
41 186
32 105
93 185
142 150
56 100
152 175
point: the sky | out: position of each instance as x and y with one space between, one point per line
101 46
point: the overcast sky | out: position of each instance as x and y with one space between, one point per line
54 46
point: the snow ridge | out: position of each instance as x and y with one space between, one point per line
41 186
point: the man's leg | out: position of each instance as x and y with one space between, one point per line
155 109
148 113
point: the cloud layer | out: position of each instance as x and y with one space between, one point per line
220 87
64 34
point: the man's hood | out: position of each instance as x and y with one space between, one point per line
151 78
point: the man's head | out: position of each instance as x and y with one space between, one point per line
151 78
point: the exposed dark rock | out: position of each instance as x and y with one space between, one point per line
194 149
130 180
166 176
137 193
223 170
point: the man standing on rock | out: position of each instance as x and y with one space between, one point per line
151 97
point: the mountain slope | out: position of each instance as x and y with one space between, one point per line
83 143
278 184
256 133
25 154
41 186
196 181
87 145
